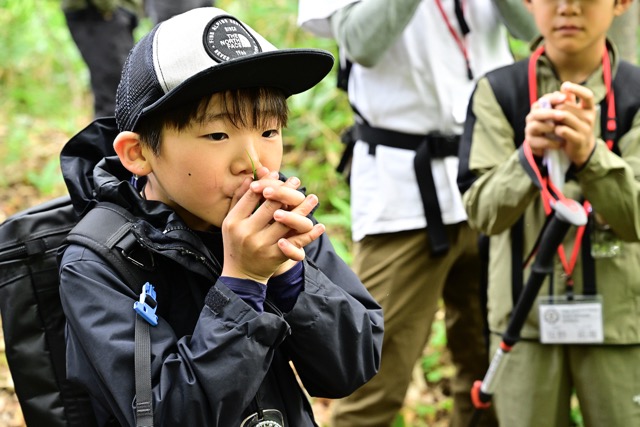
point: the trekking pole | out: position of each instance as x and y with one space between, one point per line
566 212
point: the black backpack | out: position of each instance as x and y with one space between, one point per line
32 318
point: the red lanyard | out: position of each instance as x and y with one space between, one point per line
547 184
460 40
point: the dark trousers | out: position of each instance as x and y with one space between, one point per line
105 41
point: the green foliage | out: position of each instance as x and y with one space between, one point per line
398 421
519 48
431 361
47 179
43 86
576 417
41 73
576 414
14 145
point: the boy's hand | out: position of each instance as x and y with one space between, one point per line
570 124
269 241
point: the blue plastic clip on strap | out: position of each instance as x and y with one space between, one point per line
146 306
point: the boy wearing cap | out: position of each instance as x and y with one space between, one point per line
582 333
247 283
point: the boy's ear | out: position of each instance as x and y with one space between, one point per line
621 6
130 151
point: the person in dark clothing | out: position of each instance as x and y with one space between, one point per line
251 296
103 32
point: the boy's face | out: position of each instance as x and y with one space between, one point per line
200 168
572 26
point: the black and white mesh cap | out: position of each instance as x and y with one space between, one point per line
204 51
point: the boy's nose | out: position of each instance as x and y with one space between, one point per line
569 6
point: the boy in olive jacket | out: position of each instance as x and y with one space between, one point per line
583 332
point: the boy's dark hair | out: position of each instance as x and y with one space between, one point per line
250 107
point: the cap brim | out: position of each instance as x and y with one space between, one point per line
291 70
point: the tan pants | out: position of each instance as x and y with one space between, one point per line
536 386
408 283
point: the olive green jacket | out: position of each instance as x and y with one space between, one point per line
503 192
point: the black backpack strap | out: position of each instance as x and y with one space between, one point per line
144 400
107 230
510 87
627 95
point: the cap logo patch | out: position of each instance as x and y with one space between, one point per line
225 38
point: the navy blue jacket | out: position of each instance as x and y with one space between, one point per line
214 358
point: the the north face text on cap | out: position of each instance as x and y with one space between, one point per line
225 38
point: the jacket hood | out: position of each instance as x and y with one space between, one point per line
93 173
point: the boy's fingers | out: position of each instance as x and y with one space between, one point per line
295 221
584 94
579 120
264 213
272 179
246 204
261 172
240 191
290 250
281 195
298 213
284 193
539 127
288 197
298 223
293 247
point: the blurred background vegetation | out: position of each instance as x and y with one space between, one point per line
44 88
45 99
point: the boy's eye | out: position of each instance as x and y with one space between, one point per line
271 133
218 136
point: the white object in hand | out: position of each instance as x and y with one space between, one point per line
556 161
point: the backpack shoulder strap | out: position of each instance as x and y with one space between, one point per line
107 230
510 87
626 86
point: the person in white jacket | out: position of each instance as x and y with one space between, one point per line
414 67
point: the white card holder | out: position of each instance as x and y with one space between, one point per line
575 320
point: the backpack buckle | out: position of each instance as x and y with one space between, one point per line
147 305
